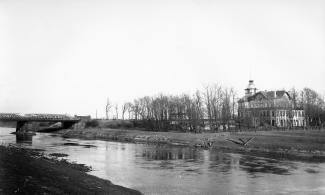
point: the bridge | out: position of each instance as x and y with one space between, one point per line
22 119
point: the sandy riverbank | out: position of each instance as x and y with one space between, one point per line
304 145
25 171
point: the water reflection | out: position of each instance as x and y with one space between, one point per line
169 153
24 138
222 162
254 165
310 170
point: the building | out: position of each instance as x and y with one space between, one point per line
268 109
83 118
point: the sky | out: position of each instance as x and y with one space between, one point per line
68 56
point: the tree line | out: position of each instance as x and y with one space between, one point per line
312 103
214 106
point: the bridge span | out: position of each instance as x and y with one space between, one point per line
21 119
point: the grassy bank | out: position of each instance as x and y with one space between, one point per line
25 171
308 145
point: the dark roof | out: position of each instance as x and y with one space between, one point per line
267 95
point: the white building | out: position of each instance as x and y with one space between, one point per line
268 108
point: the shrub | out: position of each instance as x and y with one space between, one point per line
92 123
115 124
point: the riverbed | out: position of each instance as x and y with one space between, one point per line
163 169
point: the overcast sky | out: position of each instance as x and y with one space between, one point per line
68 56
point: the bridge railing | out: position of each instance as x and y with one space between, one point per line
36 117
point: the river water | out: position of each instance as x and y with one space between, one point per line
161 169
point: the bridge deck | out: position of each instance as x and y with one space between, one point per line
37 117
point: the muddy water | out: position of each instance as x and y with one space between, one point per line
154 169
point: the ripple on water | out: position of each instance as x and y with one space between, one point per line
313 171
77 144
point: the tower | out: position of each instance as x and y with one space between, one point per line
251 89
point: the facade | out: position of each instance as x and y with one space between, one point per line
268 109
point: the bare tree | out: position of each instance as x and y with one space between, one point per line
226 108
294 96
129 108
135 109
108 107
208 104
213 102
124 109
116 111
183 112
145 110
233 94
198 111
312 104
217 102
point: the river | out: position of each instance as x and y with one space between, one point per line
162 169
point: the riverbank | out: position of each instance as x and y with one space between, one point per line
297 144
26 171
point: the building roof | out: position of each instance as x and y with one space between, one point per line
267 95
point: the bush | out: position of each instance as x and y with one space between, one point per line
120 124
116 124
92 123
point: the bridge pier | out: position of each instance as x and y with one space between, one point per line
20 125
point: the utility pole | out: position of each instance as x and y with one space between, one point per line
96 114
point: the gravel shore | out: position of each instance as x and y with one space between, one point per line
26 171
